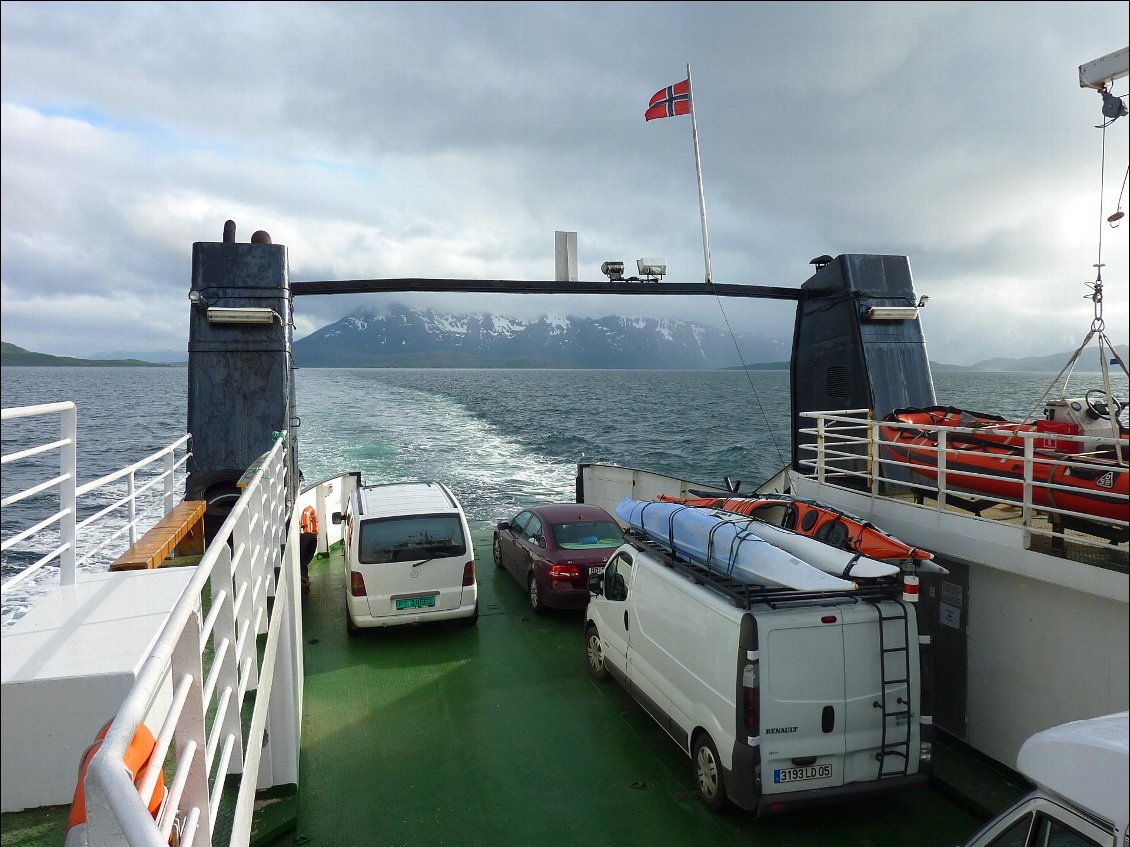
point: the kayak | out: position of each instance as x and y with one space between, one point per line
823 523
724 544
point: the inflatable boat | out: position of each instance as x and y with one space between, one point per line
985 455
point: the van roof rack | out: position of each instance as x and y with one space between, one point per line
744 594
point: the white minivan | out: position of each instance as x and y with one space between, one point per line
782 699
408 556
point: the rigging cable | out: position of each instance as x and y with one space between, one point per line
749 379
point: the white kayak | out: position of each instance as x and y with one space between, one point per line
833 560
725 546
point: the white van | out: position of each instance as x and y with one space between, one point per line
783 699
408 556
1082 793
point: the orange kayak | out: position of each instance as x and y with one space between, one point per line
816 520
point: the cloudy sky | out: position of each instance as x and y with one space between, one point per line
383 140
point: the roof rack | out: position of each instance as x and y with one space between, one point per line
744 594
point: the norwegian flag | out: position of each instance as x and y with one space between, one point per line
672 100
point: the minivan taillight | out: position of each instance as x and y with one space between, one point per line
356 584
469 573
751 692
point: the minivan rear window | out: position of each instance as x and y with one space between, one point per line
409 539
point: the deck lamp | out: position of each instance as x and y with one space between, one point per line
242 315
892 313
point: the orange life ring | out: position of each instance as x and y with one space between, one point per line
309 521
137 761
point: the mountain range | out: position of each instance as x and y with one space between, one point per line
409 337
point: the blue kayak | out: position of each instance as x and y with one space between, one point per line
725 545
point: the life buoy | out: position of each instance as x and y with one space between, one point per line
309 521
137 762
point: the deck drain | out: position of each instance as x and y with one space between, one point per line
639 785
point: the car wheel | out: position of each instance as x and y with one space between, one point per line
350 627
708 773
473 619
497 553
534 594
594 653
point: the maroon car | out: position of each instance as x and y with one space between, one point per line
549 550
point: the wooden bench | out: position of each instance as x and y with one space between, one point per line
180 532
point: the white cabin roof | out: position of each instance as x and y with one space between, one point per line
1085 762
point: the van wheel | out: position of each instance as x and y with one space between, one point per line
497 553
534 594
473 619
350 627
594 653
708 773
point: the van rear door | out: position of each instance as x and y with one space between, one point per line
802 699
412 563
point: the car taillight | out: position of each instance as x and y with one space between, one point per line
564 572
356 584
751 685
469 574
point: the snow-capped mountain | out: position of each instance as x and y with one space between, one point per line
408 337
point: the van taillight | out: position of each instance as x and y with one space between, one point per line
469 574
356 584
751 689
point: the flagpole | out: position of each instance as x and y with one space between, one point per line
698 171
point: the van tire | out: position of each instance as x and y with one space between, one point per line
594 654
534 594
350 627
708 773
472 619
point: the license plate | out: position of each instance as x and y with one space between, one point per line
801 774
415 603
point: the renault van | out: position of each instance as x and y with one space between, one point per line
408 556
781 698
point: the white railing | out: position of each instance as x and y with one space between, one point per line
849 449
211 655
146 482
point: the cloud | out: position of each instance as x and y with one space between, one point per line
452 140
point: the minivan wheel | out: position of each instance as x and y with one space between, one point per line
535 595
350 627
497 553
594 653
708 774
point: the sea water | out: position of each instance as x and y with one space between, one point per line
502 439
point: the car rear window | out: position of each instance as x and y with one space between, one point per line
409 539
584 534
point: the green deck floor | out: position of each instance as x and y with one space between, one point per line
496 735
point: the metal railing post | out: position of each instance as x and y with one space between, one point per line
941 469
131 495
68 496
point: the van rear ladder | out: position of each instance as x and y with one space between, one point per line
894 750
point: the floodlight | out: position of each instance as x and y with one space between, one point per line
892 313
652 267
613 270
241 315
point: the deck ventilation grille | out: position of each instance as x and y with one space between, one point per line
838 383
